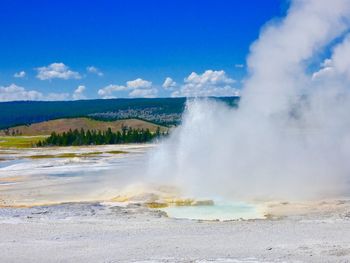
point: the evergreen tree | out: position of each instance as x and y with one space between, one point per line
82 137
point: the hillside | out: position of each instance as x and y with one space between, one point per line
163 111
63 125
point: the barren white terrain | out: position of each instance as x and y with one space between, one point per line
91 232
82 222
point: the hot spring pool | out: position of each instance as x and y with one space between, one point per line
222 212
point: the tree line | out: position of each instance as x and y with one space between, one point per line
82 137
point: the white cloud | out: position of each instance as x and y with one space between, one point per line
20 74
107 92
78 93
14 92
139 84
143 93
94 70
56 70
210 83
18 93
169 83
214 77
80 89
137 88
141 89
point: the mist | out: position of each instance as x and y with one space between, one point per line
290 136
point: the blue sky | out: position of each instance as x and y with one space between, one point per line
101 45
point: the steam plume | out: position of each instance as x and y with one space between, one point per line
290 136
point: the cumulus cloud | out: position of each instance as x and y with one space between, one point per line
107 92
20 74
210 83
94 70
138 84
58 71
136 88
141 89
18 93
78 93
169 83
14 92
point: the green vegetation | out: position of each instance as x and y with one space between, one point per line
116 152
98 153
82 137
20 141
90 154
48 156
64 125
72 155
162 111
27 112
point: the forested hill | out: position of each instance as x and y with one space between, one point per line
165 111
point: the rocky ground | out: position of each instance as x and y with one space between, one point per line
94 232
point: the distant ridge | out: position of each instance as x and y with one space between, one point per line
27 112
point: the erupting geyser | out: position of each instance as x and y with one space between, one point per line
290 136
